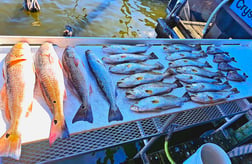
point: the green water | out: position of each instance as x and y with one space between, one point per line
103 18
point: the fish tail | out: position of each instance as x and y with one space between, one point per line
233 59
187 96
220 74
84 113
114 114
159 65
197 46
10 144
178 83
203 53
228 85
58 130
235 91
245 75
153 56
170 71
208 65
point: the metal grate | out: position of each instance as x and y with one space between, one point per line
41 152
229 108
196 116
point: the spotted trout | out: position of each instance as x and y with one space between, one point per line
119 49
50 77
16 96
106 84
78 79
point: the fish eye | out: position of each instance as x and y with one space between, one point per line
54 102
55 122
7 135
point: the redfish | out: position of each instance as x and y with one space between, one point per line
16 96
50 77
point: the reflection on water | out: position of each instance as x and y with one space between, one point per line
105 18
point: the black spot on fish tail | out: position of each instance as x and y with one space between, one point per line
115 114
187 96
245 75
153 56
84 113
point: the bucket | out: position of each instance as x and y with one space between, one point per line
209 153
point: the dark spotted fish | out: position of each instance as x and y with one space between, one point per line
151 89
212 97
141 78
185 55
215 50
196 71
106 84
235 76
188 62
203 87
218 58
157 103
131 68
186 78
181 47
127 58
78 79
120 49
223 66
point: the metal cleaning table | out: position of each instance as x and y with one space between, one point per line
86 137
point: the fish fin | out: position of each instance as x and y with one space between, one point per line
203 53
76 62
115 114
179 85
170 71
208 65
187 96
218 79
235 90
29 110
65 95
233 59
153 56
4 103
60 64
159 65
90 89
58 130
84 113
10 144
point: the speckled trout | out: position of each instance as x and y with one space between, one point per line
203 87
157 103
50 77
181 47
106 84
78 79
16 96
185 55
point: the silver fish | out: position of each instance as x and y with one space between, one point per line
106 84
188 62
141 78
185 55
119 49
77 76
151 89
126 58
223 66
212 97
156 103
186 78
131 68
203 87
235 76
182 47
215 50
196 71
218 58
